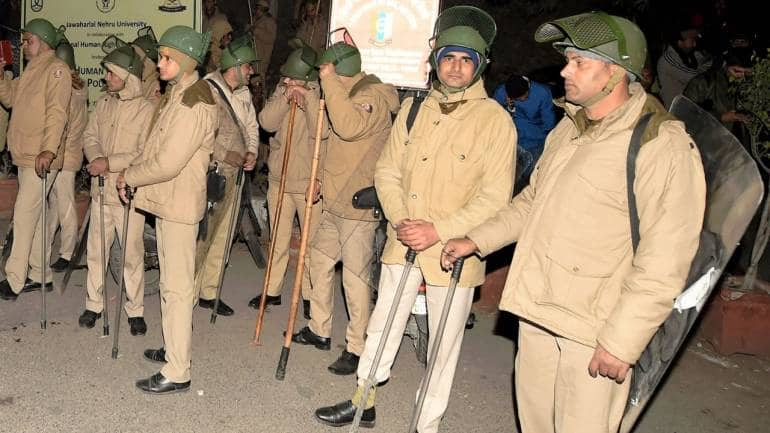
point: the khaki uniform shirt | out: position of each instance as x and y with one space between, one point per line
40 100
360 116
264 31
172 173
116 130
219 26
574 271
234 140
275 118
453 169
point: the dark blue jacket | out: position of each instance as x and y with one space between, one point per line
534 117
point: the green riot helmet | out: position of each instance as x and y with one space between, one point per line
300 65
345 57
614 38
467 27
66 53
147 42
238 52
43 29
125 57
186 40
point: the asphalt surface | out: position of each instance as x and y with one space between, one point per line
64 380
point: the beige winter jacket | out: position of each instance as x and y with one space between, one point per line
574 271
360 116
116 130
230 146
275 118
454 169
72 155
219 27
40 99
172 173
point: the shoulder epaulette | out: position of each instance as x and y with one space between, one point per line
659 115
198 92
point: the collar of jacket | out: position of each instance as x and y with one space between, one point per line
132 89
185 82
623 117
41 59
448 103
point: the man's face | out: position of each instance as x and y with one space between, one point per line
167 67
31 45
738 72
584 77
114 83
688 41
209 7
455 69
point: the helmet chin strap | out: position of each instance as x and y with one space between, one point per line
616 77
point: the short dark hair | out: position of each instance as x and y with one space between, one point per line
516 86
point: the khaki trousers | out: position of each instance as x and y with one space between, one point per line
555 393
25 258
176 254
437 397
61 205
133 273
351 241
293 203
211 251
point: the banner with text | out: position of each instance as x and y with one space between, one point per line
392 36
90 22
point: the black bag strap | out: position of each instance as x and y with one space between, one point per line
229 109
413 110
633 152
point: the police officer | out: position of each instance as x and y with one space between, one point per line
235 147
359 108
40 99
587 303
435 182
216 22
61 199
171 179
114 138
299 85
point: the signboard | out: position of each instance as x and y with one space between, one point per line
89 22
392 36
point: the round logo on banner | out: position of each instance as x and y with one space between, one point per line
105 5
37 5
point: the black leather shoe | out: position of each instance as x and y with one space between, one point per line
138 327
88 319
306 309
222 309
60 265
159 385
6 292
343 413
346 364
271 300
156 355
34 286
308 337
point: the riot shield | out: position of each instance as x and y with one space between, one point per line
734 191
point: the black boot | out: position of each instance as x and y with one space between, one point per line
271 300
88 319
6 292
157 384
138 326
222 309
34 286
308 337
343 413
346 364
60 265
156 355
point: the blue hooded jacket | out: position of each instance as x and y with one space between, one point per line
534 117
